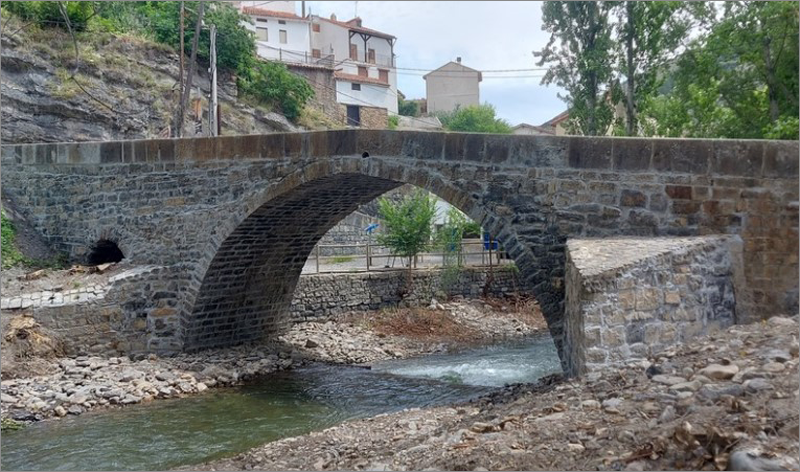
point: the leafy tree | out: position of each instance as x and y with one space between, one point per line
408 225
738 81
474 119
648 35
407 107
49 13
449 237
580 58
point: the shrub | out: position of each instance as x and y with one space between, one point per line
474 119
10 254
271 83
394 122
49 13
407 227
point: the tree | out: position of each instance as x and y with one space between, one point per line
648 35
407 107
580 57
408 226
474 119
738 81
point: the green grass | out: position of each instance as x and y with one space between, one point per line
9 425
10 254
342 259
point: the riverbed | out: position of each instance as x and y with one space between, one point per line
224 422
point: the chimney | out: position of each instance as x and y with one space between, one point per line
358 21
333 16
458 59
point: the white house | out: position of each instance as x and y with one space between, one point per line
281 35
361 59
364 62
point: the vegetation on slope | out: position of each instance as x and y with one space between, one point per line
265 82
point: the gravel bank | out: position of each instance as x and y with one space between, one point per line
729 400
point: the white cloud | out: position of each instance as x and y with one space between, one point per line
487 35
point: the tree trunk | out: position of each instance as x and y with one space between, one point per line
192 67
630 122
772 92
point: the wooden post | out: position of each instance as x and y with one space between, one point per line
367 254
213 128
316 250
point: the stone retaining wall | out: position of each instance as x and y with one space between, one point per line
94 320
323 295
627 298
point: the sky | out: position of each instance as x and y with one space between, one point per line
487 35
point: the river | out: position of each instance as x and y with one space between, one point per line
223 422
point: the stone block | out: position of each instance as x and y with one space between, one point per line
632 154
682 155
780 159
633 198
590 153
682 192
738 158
647 299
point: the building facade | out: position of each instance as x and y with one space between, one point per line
360 60
452 86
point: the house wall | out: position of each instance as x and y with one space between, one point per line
446 91
296 48
369 95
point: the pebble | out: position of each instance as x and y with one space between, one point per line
713 392
590 405
668 379
719 371
667 415
691 386
773 367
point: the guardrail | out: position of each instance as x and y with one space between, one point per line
377 257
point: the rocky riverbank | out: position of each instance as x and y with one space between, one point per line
727 401
43 385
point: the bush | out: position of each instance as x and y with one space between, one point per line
394 122
49 14
474 119
407 108
407 224
271 83
10 254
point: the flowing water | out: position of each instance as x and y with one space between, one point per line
223 422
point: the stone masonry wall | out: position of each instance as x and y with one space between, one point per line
630 298
322 81
349 231
374 117
323 295
233 211
92 319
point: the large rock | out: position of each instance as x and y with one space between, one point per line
719 371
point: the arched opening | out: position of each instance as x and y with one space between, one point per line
247 289
104 251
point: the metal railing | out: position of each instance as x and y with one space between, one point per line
376 257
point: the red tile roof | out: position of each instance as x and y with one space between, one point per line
359 79
351 25
253 11
558 119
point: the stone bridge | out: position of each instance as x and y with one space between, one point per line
225 224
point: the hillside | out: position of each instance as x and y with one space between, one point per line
130 89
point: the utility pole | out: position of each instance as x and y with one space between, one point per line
192 67
180 112
212 103
303 9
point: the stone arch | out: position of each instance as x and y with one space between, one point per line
247 286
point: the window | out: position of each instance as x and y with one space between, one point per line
284 40
281 22
383 75
316 53
353 52
371 58
261 20
362 71
315 27
261 34
355 86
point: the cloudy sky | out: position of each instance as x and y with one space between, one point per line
488 35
